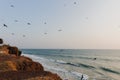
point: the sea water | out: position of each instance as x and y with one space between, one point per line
78 64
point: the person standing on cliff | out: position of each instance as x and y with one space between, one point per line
1 41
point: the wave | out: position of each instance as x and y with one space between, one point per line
81 57
86 66
90 58
109 70
43 61
86 58
61 61
57 69
85 77
79 65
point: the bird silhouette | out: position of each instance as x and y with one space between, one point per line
65 5
75 3
12 33
5 25
11 5
45 23
16 20
24 36
59 30
45 33
28 23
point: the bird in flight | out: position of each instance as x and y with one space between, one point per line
11 5
12 33
16 20
59 30
45 33
45 23
75 3
5 25
24 36
28 23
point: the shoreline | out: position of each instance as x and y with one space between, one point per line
55 66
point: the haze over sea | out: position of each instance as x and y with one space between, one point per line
71 64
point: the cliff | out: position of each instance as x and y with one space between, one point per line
13 66
23 68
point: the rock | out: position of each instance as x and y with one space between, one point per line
23 68
4 49
14 50
12 63
13 66
7 49
29 75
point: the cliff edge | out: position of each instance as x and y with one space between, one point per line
23 68
13 66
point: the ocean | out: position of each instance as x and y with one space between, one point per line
78 64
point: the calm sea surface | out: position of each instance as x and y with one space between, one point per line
79 64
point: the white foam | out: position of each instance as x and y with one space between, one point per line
52 65
85 77
43 60
61 61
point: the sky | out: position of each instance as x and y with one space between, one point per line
61 24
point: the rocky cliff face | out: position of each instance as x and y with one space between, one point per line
7 49
13 66
23 68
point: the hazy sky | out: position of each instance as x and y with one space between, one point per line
77 24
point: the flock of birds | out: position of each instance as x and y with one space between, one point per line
6 26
